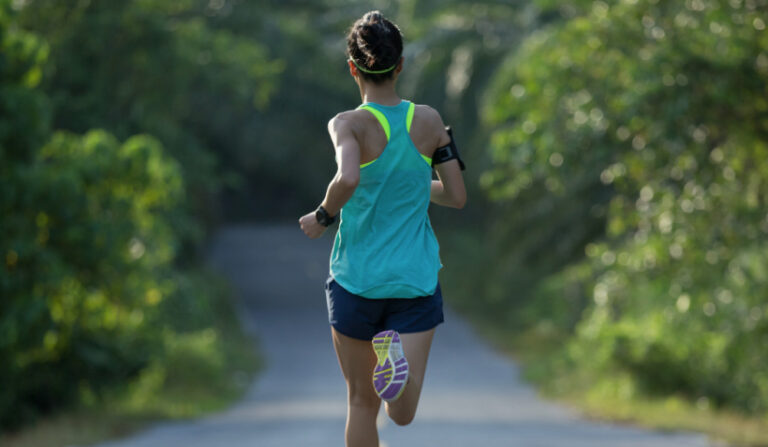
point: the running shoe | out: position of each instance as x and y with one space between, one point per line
391 372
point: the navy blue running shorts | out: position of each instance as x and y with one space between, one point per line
362 318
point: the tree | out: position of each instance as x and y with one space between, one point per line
656 110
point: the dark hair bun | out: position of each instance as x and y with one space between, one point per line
374 43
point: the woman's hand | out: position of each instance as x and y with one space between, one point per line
311 226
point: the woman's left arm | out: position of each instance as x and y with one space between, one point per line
344 183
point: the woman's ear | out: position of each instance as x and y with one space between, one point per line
399 65
352 69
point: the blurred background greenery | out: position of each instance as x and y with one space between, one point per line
616 238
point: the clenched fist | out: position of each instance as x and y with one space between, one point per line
311 226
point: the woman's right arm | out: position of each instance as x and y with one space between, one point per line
343 185
449 189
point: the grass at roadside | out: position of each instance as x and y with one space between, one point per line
614 399
203 369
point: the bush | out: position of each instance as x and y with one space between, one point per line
90 240
649 115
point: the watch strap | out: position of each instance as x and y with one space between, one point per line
323 218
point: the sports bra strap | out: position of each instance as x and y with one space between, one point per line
409 117
380 117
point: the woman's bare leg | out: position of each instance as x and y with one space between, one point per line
357 361
416 347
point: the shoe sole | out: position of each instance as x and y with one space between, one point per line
391 372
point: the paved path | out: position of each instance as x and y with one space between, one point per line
472 396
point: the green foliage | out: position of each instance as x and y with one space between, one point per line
160 68
93 221
651 114
24 109
204 360
84 253
626 164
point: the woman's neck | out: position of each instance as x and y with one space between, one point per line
383 94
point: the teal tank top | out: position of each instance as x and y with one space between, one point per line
385 246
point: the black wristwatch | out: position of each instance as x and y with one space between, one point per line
323 218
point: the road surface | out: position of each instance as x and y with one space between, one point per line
473 396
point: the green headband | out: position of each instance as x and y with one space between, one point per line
365 70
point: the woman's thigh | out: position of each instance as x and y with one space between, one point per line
416 347
357 360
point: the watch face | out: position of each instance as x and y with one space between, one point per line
322 218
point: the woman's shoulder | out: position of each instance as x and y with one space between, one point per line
427 115
426 109
427 129
354 115
349 119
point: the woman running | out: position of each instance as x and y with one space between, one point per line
384 300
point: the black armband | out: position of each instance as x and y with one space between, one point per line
447 152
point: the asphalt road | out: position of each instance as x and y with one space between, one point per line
473 396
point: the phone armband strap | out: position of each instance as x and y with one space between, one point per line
448 152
